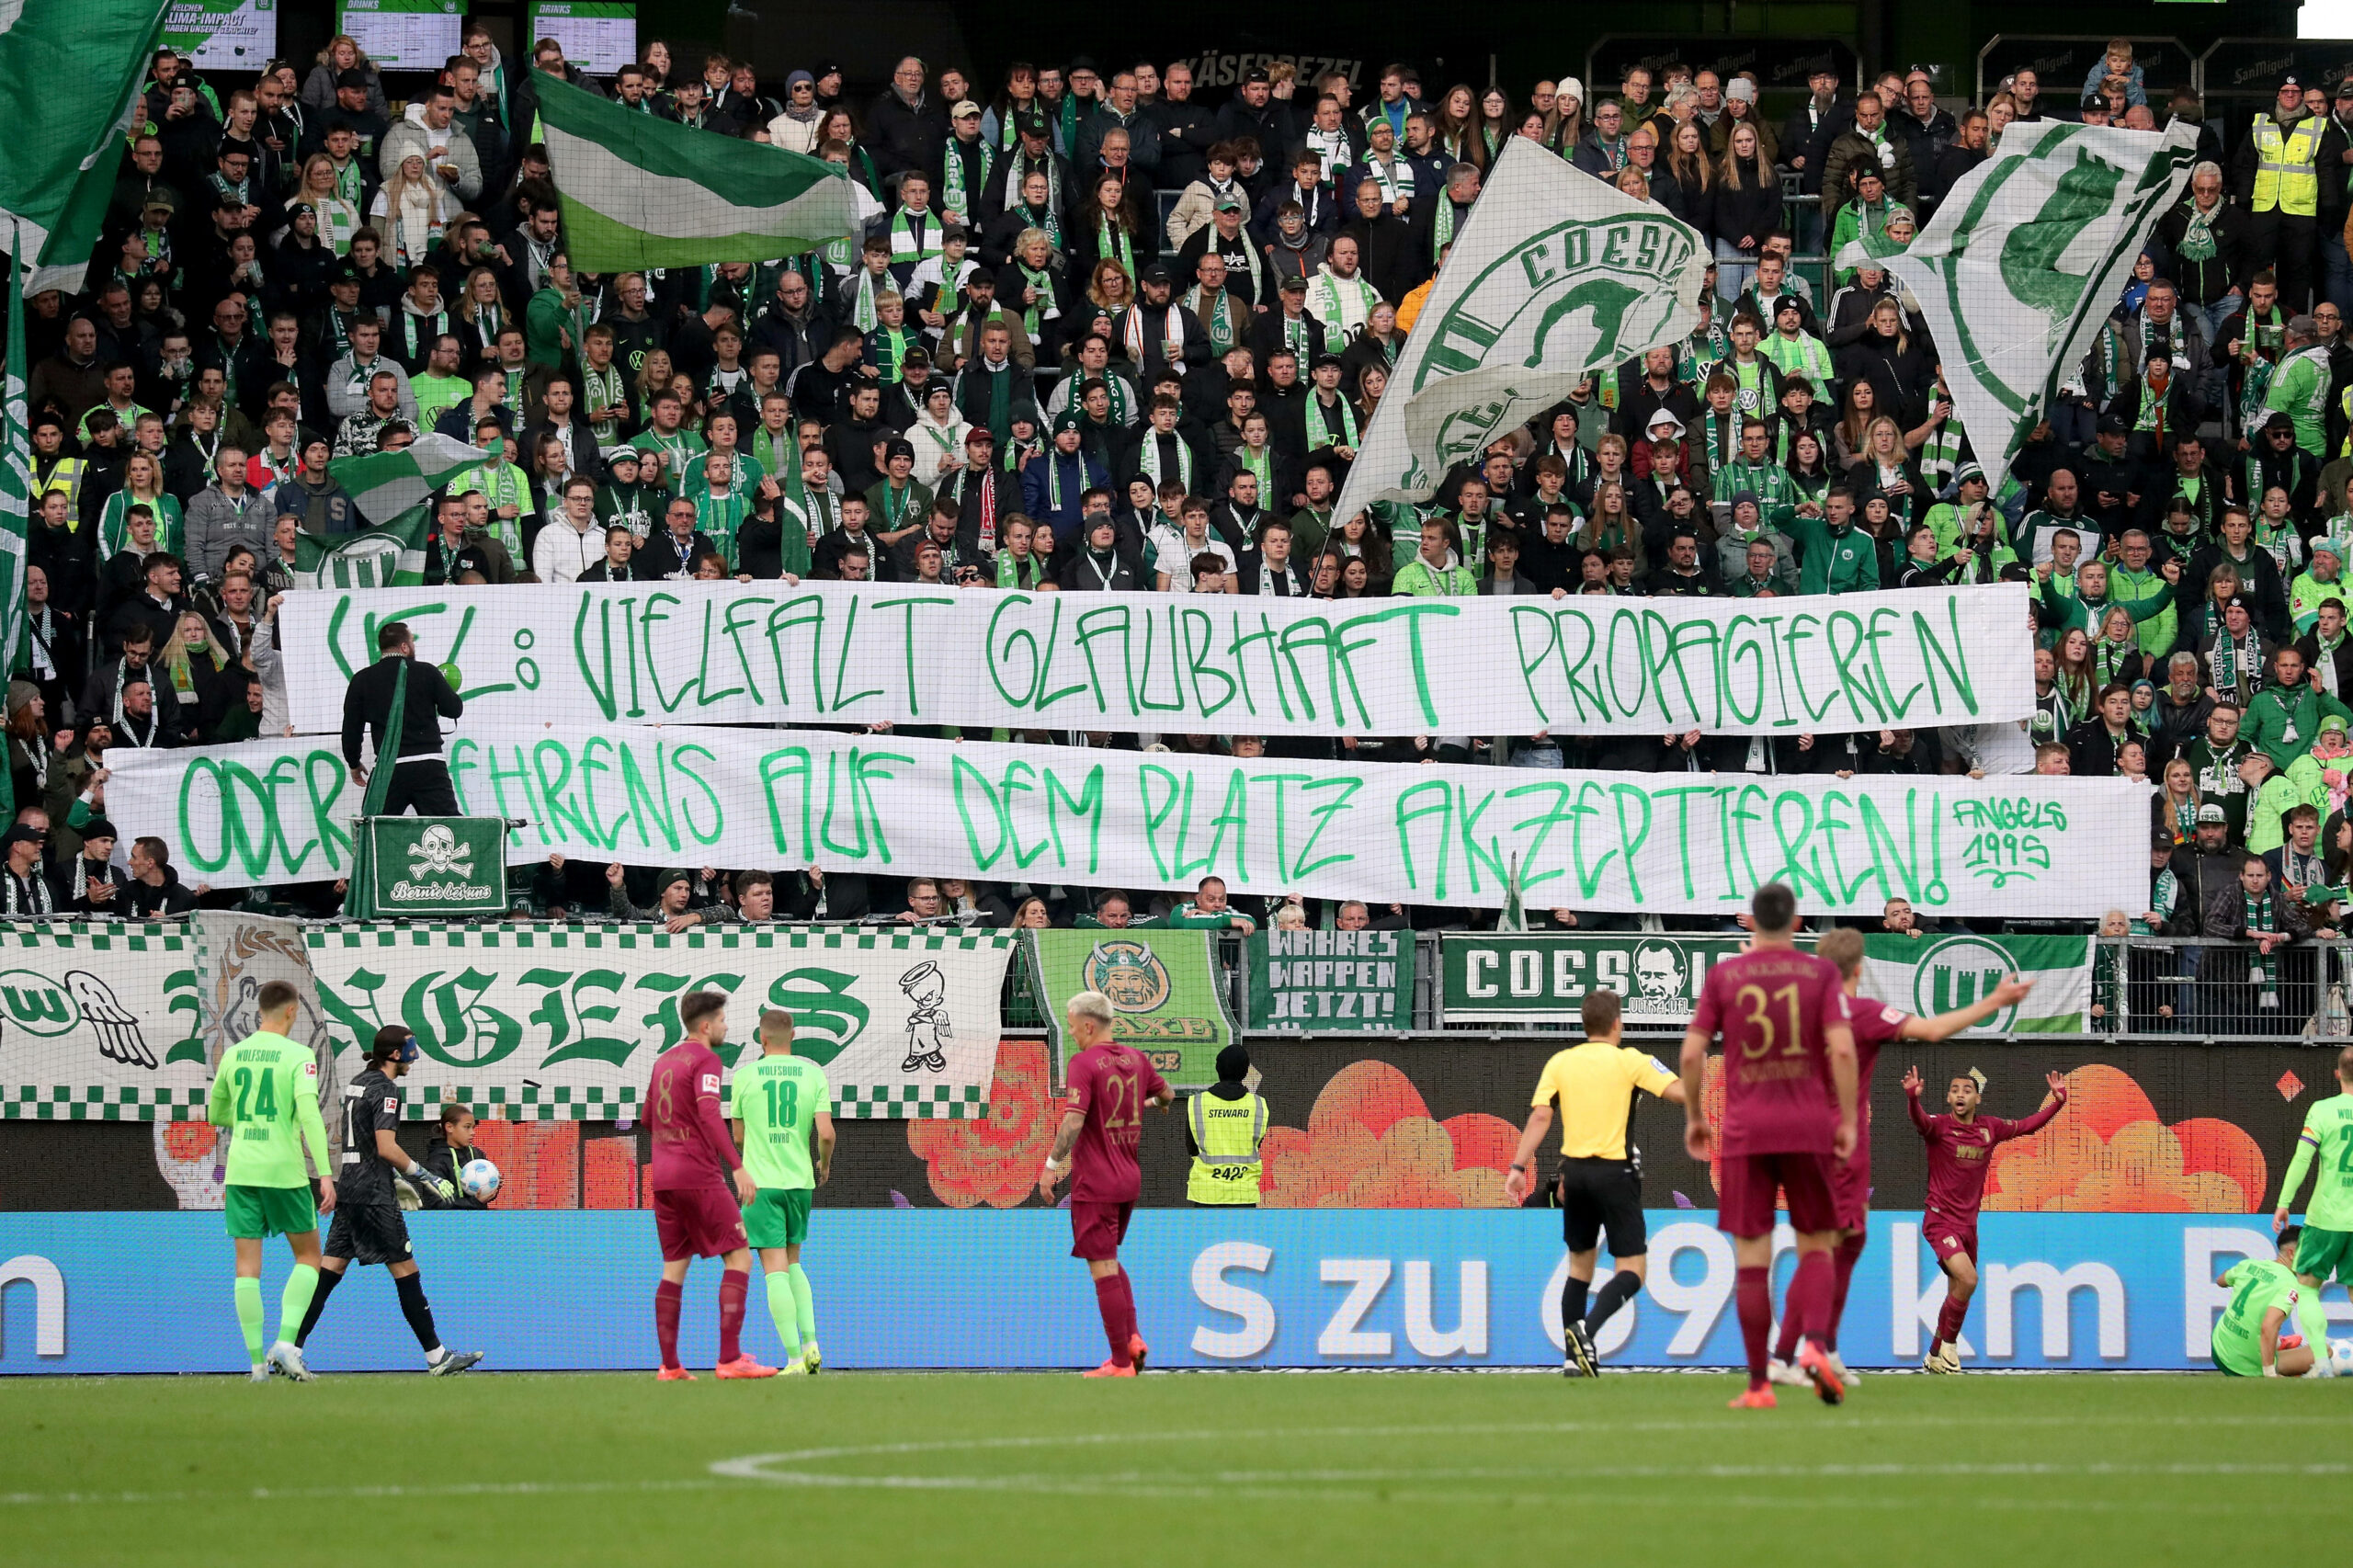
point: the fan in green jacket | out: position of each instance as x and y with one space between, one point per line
2320 580
2284 718
1834 556
2091 600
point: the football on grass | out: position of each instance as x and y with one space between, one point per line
480 1180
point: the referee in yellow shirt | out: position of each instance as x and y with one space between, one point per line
1602 1171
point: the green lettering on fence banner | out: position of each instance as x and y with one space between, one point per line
829 652
1544 977
1166 988
1332 982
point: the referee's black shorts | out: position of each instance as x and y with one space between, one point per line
1599 1195
368 1233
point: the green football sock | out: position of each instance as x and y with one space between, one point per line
804 1301
249 1317
301 1286
784 1309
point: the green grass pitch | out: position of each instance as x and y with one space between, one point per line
1296 1470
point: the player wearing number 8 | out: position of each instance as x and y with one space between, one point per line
267 1095
786 1130
1788 1083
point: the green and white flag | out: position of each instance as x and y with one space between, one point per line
1553 274
2025 259
389 555
643 192
1928 975
72 69
385 484
16 488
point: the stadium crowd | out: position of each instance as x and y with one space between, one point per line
1104 337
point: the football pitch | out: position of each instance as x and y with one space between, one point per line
1178 1469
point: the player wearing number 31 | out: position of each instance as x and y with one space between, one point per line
1109 1085
1789 1099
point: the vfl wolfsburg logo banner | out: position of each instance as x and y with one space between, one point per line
555 1024
1553 274
2023 261
1930 975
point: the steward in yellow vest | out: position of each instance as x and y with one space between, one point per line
1224 1124
2280 187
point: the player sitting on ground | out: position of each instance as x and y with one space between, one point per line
1874 1023
1961 1152
1600 1179
1109 1085
368 1226
783 1113
695 1215
266 1094
2266 1298
1789 1081
2326 1144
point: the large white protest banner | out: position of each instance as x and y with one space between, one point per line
279 810
1554 275
846 653
548 1023
2020 268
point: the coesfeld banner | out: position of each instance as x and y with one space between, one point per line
279 810
862 652
552 1023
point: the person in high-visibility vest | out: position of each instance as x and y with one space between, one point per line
2280 186
1224 1124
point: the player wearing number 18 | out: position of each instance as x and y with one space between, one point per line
266 1095
785 1127
2325 1145
1789 1111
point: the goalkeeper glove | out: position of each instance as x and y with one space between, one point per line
439 1186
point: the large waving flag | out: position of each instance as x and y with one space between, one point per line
1554 275
2025 257
392 486
72 71
15 489
641 191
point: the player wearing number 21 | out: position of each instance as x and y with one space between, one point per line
1789 1090
1109 1085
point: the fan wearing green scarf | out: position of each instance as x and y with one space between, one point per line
2284 718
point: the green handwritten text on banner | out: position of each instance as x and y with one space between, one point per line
278 811
1331 981
822 652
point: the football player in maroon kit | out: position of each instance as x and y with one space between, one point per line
1789 1080
695 1214
1874 1023
1110 1083
1960 1153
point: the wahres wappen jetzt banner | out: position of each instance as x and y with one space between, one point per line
279 810
1332 982
834 652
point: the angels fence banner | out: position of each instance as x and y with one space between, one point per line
1554 276
540 1023
1696 843
100 1022
834 652
2017 270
